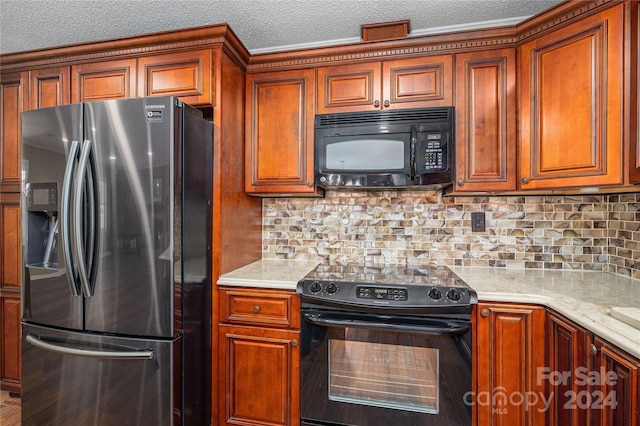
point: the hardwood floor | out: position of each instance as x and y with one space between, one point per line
9 410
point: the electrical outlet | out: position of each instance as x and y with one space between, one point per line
477 222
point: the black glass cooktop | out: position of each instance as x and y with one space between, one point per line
401 288
388 274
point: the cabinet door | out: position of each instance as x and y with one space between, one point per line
186 75
49 87
403 83
103 80
509 349
260 376
417 82
10 313
279 120
10 343
616 397
13 100
346 88
571 104
568 348
633 92
486 121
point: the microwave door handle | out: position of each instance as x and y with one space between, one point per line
412 150
387 324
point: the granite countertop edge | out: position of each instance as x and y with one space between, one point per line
584 297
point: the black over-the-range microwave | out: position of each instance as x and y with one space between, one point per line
393 148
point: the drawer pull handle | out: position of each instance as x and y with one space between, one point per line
294 343
485 312
257 309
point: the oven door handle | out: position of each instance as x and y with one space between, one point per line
386 323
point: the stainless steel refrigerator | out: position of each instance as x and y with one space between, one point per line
116 248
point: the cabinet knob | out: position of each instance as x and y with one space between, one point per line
593 349
309 184
485 312
257 309
294 343
461 182
387 103
524 180
376 103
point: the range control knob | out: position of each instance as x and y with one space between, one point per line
315 287
454 294
331 288
435 294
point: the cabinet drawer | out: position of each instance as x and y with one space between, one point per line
260 307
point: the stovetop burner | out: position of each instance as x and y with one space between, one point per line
397 288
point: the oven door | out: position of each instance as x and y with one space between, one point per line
365 369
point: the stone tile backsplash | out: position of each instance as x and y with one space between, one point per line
590 232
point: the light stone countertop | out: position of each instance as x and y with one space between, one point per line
266 273
587 298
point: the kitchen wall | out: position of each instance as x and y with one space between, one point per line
590 232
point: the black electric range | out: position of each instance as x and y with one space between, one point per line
388 288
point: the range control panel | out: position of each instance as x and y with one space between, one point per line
398 296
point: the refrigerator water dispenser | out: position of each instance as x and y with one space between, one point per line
42 225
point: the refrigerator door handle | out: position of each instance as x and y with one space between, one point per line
78 222
65 217
89 353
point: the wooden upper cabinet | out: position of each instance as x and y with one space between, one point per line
403 83
13 100
185 74
49 87
571 104
485 109
103 80
633 92
279 132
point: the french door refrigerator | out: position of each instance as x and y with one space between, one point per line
116 247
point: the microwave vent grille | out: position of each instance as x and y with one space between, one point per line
423 115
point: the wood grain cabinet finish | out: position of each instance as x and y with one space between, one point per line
485 109
13 100
568 348
633 91
509 347
279 132
590 382
259 365
403 83
620 390
571 104
184 74
100 81
10 313
49 87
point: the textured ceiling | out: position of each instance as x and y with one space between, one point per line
262 25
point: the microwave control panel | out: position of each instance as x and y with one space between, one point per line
434 153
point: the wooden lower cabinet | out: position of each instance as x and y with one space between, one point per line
10 312
259 357
589 381
568 348
615 398
509 347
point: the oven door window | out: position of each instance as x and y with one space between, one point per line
365 375
383 375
